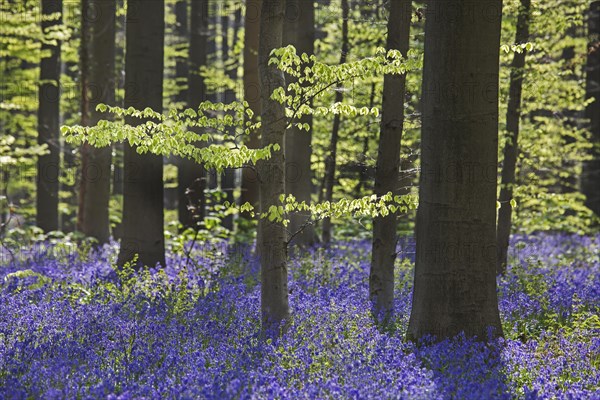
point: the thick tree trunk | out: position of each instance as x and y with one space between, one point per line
330 161
381 278
455 271
191 177
511 148
251 93
299 31
98 59
143 212
590 182
272 241
48 166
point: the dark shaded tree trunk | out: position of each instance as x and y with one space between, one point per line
48 165
98 60
251 94
381 278
455 271
590 182
511 148
330 161
191 177
272 246
143 197
299 31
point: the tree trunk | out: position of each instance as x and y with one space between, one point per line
272 241
118 173
143 212
381 278
48 165
330 161
455 271
183 38
228 177
98 60
299 31
251 93
511 148
590 182
363 172
191 176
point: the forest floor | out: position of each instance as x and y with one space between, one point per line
71 326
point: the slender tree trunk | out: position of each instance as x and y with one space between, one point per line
272 241
511 148
590 182
228 177
381 278
183 39
299 31
143 197
330 161
97 60
455 271
362 175
213 50
48 166
84 68
118 173
251 93
182 33
191 176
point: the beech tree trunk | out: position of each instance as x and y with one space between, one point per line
299 31
191 177
272 241
143 203
228 176
98 60
363 172
511 148
330 161
381 278
48 165
251 94
590 182
455 271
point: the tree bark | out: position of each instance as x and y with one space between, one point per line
98 60
251 94
143 211
228 176
48 165
299 31
381 278
118 173
455 271
191 177
590 182
272 241
511 148
363 171
330 161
